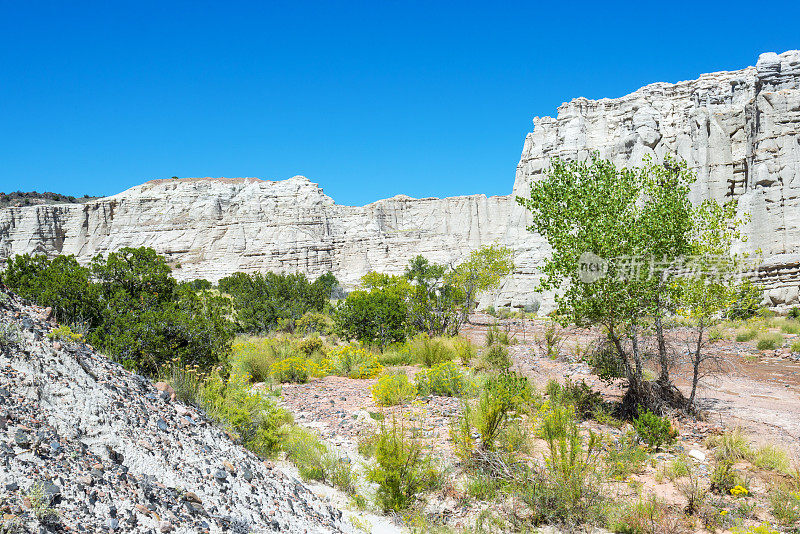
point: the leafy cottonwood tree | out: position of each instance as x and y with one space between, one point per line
483 270
625 216
378 313
709 288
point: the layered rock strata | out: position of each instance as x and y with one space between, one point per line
739 131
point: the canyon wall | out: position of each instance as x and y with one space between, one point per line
739 131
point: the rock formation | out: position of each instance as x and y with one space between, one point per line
740 132
108 452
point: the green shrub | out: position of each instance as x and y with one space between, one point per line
715 334
500 396
553 338
313 322
567 490
795 345
314 461
747 335
725 477
763 528
310 345
784 501
355 362
769 341
445 379
255 420
496 357
578 394
625 457
431 351
678 467
400 471
794 313
392 389
296 370
255 356
496 336
648 515
653 430
464 350
65 333
9 334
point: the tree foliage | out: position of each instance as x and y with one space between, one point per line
261 300
130 306
483 270
624 216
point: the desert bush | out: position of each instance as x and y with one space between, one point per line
431 351
678 467
795 347
40 505
649 515
396 354
355 362
552 338
769 341
604 361
296 370
464 350
315 461
9 334
578 394
784 503
624 457
392 389
724 478
401 471
715 334
255 356
746 335
313 322
445 379
653 430
310 345
65 333
255 420
763 528
496 336
185 380
566 491
694 491
495 357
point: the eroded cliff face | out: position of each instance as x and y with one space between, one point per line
739 131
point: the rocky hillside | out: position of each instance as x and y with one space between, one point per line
739 130
89 447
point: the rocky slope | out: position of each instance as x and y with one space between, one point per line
740 131
108 452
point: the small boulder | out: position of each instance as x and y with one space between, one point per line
697 455
163 387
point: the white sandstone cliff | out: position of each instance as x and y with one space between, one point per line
740 131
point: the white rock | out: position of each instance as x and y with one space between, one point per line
738 131
697 455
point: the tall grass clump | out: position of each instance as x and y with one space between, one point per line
464 350
769 341
746 335
431 351
354 362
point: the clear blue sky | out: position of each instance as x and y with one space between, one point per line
369 99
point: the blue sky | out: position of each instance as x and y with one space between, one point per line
369 99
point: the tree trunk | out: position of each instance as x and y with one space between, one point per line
663 380
696 360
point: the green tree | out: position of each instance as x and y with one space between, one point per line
710 287
484 269
433 300
61 283
622 216
376 315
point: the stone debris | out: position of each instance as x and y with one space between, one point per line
108 451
